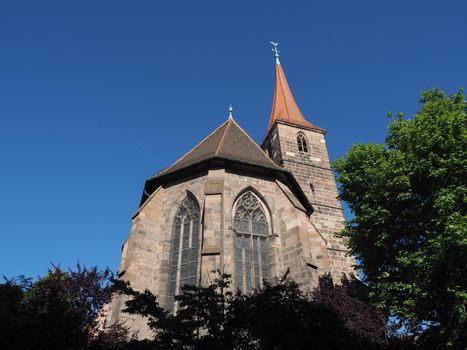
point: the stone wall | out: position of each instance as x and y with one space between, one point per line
314 174
294 242
146 252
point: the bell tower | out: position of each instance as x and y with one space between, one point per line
297 145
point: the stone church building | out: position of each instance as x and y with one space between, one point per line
249 210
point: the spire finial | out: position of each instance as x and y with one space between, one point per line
276 51
230 112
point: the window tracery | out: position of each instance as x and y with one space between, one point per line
185 248
251 243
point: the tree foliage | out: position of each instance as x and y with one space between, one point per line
58 311
61 311
199 322
409 231
276 316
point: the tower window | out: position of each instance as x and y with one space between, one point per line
251 243
302 142
185 248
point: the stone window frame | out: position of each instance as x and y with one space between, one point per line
188 234
262 240
302 142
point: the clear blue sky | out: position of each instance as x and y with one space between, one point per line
96 96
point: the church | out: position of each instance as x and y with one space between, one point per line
246 209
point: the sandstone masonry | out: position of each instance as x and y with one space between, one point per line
232 206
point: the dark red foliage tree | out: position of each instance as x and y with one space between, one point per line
58 311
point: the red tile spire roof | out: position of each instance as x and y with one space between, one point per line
284 107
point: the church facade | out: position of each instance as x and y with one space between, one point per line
245 209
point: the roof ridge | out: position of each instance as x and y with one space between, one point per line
254 142
221 143
199 143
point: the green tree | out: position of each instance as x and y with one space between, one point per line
199 323
409 230
277 316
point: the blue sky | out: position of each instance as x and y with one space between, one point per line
97 96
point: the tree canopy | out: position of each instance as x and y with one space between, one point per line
409 230
277 316
58 311
62 309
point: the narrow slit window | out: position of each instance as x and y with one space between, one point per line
312 187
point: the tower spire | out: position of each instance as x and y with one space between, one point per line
284 107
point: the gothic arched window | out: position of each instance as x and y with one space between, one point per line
251 243
302 142
185 248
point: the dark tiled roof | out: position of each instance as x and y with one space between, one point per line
228 141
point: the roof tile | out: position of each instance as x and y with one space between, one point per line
228 141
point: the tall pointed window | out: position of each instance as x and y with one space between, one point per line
302 142
251 243
185 248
